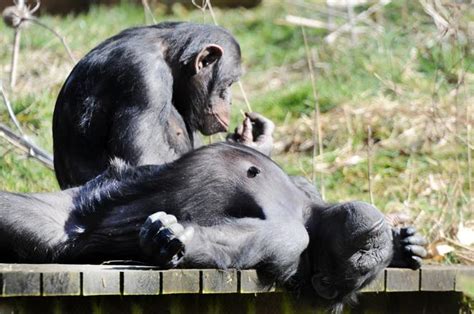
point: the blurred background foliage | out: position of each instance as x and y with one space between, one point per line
406 71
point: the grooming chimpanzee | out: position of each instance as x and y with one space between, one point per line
223 205
141 96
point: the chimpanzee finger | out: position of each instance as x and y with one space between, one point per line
415 262
264 125
247 136
174 247
407 231
415 250
152 225
415 239
186 235
239 130
167 232
162 237
176 229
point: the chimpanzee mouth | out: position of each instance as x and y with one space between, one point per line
224 123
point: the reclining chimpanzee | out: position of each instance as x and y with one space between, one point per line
232 207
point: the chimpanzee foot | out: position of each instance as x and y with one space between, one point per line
408 248
163 239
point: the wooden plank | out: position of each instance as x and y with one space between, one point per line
399 280
178 281
101 283
439 278
377 285
139 282
463 275
18 284
43 268
219 281
61 284
250 283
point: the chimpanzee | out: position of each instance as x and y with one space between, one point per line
141 96
223 205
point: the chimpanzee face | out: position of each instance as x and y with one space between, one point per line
216 70
353 245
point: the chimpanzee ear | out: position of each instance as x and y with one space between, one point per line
323 288
207 56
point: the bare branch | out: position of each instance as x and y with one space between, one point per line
361 16
10 109
302 21
31 149
55 33
15 54
21 141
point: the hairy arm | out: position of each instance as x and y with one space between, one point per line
247 243
32 225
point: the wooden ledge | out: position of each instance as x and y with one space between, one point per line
95 280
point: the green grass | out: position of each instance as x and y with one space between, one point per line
403 78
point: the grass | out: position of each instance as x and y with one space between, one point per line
411 88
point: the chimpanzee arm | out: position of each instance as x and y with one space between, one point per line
242 243
246 243
33 225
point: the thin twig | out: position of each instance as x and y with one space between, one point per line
410 180
15 54
22 143
10 109
369 163
302 21
350 14
331 12
207 4
467 248
148 12
244 94
361 16
469 164
55 33
316 120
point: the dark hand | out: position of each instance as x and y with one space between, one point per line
256 132
408 248
163 239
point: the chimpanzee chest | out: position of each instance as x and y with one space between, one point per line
177 134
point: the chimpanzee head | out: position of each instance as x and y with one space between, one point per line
210 64
350 245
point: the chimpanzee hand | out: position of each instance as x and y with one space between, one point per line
163 239
256 132
408 248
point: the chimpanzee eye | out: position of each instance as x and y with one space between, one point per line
252 172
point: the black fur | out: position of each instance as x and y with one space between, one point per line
140 96
234 207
